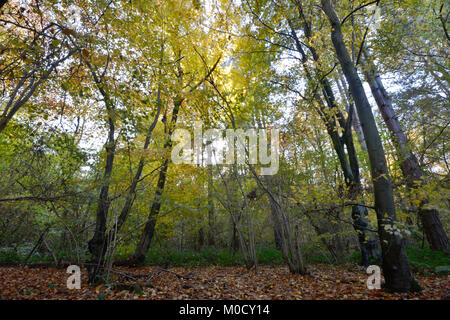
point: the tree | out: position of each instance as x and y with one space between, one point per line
98 244
396 267
409 165
148 232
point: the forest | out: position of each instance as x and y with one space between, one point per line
224 149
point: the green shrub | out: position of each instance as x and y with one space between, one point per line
270 256
427 260
9 256
208 256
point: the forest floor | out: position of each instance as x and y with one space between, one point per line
343 282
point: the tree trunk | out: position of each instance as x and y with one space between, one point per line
98 244
409 165
396 269
149 230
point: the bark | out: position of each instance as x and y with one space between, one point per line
431 223
396 269
201 239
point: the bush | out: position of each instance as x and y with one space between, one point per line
269 256
208 257
428 261
9 256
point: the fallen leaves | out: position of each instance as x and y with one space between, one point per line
265 283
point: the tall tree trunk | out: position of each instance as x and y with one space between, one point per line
149 229
409 165
396 269
98 244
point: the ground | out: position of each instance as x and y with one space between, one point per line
263 283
